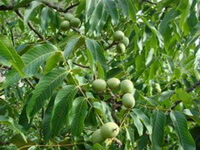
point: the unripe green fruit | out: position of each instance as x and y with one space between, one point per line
128 100
97 137
121 47
65 25
158 88
75 22
68 16
110 130
113 83
99 85
118 35
125 41
126 86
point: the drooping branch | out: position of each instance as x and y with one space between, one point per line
30 26
59 8
82 66
54 6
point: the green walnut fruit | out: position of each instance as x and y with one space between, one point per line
97 137
127 86
157 87
113 83
121 47
125 41
68 16
118 35
128 100
109 130
65 25
99 85
75 22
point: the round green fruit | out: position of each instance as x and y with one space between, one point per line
128 100
75 22
113 83
121 47
110 130
68 16
125 41
99 85
65 25
97 137
126 86
118 35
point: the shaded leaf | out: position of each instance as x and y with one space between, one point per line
180 124
44 89
62 106
79 117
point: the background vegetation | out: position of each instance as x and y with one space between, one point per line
46 74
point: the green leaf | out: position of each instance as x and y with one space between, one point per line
159 119
171 14
98 17
114 72
130 134
165 95
8 52
155 31
53 61
123 4
180 124
62 106
101 73
11 78
137 123
111 8
45 18
30 11
36 56
79 117
72 43
10 121
142 142
96 51
144 119
44 89
182 95
46 122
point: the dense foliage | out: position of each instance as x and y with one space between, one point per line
100 74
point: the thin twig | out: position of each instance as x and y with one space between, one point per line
124 118
54 6
82 66
111 45
29 82
113 106
30 26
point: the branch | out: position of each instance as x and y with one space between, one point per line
4 8
82 66
111 45
188 90
54 6
193 87
30 26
